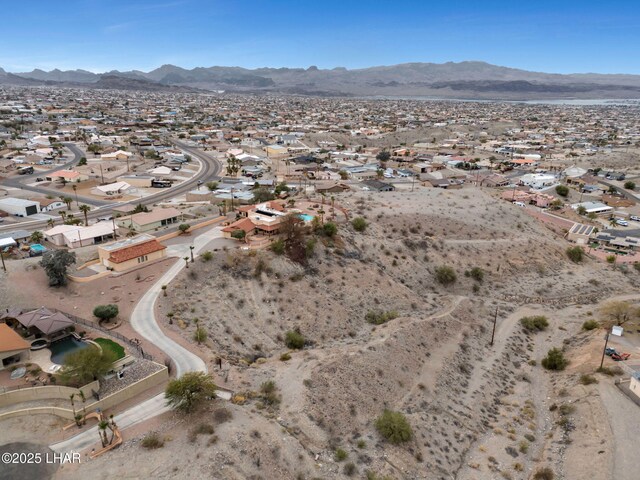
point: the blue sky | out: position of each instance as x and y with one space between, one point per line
100 35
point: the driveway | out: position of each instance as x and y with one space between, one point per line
624 419
144 322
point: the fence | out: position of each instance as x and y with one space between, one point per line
28 393
133 345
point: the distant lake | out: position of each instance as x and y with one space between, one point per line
561 101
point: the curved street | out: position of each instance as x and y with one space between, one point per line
144 322
210 169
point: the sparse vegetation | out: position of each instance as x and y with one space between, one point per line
590 325
555 360
294 340
536 323
394 427
152 440
445 275
359 224
575 254
377 317
188 391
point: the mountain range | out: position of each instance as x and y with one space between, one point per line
470 80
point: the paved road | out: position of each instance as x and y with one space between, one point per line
144 322
624 419
209 170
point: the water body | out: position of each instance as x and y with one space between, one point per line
562 101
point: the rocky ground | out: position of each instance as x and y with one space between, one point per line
477 411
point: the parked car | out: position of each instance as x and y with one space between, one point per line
108 218
621 222
635 218
519 204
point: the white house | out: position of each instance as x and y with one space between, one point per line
19 206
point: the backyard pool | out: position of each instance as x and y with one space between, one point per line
62 348
36 249
305 216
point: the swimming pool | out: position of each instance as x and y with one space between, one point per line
36 249
62 348
305 216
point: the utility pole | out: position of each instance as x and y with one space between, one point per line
191 247
495 319
4 267
604 350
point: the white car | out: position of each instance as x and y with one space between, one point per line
622 223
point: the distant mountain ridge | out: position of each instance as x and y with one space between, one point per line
469 79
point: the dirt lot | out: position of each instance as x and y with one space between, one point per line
477 411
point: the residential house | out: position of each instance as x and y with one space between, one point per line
66 176
123 255
42 322
13 348
50 204
580 234
146 221
378 186
330 187
74 236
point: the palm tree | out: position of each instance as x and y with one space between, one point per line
75 190
85 209
63 214
50 223
612 222
84 407
36 237
102 431
67 200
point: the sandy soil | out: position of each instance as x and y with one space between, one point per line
477 411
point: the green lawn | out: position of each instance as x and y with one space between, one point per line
116 348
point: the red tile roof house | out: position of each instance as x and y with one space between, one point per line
130 253
264 218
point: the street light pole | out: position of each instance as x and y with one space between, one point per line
495 319
604 350
191 247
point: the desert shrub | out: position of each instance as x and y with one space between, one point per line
555 360
445 275
536 323
590 325
377 317
544 474
277 247
361 444
575 254
562 190
394 427
349 469
285 356
588 379
207 256
476 273
269 393
359 224
183 227
330 229
204 429
294 340
340 455
152 441
238 234
523 446
610 371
